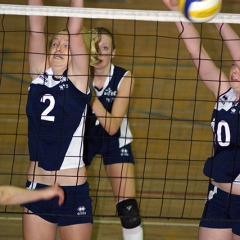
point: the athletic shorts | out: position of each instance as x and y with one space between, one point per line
119 155
222 210
76 209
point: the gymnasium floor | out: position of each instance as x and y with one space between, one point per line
169 120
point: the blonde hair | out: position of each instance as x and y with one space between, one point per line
90 40
103 31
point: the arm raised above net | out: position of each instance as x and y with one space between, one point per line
37 42
214 79
79 65
78 59
232 41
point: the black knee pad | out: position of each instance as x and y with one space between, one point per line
129 213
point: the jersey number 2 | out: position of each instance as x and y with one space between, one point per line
44 115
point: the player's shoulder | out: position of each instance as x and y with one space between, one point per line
228 96
119 70
226 100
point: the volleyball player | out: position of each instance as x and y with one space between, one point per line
108 133
57 103
221 215
10 195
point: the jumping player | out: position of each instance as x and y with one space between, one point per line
57 104
221 215
10 195
108 133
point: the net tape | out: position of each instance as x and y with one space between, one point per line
105 13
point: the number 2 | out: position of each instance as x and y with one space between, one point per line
44 115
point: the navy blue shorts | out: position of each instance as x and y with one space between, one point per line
77 207
119 155
222 210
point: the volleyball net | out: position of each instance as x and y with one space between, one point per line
169 111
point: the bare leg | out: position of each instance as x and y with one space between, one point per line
121 177
216 234
76 232
37 228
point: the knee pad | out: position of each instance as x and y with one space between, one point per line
129 213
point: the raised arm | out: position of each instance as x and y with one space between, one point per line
231 40
215 80
78 70
37 42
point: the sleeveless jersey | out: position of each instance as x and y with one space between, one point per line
56 112
224 166
96 136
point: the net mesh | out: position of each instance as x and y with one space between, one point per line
169 111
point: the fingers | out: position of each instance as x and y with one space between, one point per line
171 4
60 194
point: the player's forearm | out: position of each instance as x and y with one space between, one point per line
15 195
75 24
35 2
190 37
36 23
77 3
110 123
10 195
231 40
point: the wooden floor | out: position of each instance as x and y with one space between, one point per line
169 120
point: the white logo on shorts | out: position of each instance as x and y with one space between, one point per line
124 152
81 210
211 193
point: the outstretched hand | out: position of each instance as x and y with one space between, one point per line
171 4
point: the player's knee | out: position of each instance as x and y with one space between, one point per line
129 213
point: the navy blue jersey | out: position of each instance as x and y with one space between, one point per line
97 139
224 166
56 112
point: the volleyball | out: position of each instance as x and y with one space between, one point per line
199 11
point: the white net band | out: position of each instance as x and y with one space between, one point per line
100 13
